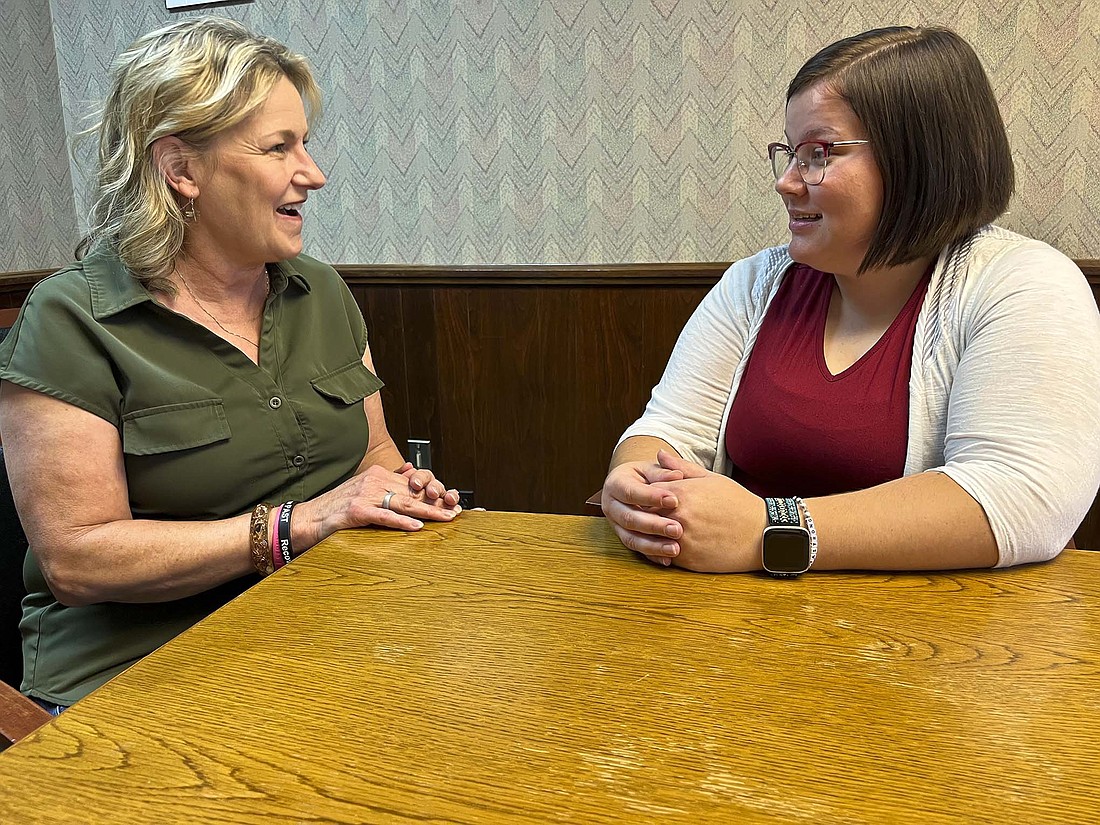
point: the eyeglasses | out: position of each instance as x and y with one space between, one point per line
812 156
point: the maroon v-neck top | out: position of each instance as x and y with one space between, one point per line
797 429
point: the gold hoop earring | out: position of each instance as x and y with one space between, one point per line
189 212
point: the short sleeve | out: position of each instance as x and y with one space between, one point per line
57 347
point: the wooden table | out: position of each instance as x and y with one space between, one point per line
526 668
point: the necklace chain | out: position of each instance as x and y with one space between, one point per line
210 315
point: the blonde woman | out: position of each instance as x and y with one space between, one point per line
167 398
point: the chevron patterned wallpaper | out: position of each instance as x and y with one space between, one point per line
36 191
466 131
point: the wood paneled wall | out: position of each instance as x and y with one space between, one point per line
523 378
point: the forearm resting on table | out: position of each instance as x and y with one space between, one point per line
142 561
921 522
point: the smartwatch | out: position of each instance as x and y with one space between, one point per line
785 552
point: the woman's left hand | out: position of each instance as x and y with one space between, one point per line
424 482
723 522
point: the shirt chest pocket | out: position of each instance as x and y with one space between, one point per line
349 384
172 427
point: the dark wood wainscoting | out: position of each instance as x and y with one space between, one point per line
524 377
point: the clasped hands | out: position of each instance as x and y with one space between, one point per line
675 512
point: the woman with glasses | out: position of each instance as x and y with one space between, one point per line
901 386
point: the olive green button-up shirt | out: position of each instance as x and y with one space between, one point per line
204 432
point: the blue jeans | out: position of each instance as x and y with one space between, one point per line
50 707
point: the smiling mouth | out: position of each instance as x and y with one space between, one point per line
289 211
805 216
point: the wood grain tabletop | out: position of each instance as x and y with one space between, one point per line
526 668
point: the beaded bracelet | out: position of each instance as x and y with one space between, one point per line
810 528
258 541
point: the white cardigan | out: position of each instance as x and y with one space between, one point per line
1004 394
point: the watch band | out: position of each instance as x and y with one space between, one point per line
782 512
784 523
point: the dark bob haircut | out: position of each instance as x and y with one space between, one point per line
935 130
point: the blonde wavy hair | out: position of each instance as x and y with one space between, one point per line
193 79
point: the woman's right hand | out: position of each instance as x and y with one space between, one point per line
358 503
635 509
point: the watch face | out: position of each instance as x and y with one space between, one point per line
786 550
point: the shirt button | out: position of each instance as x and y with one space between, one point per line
275 402
299 460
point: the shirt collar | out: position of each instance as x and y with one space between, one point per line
114 289
284 273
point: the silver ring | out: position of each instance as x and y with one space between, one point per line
386 499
